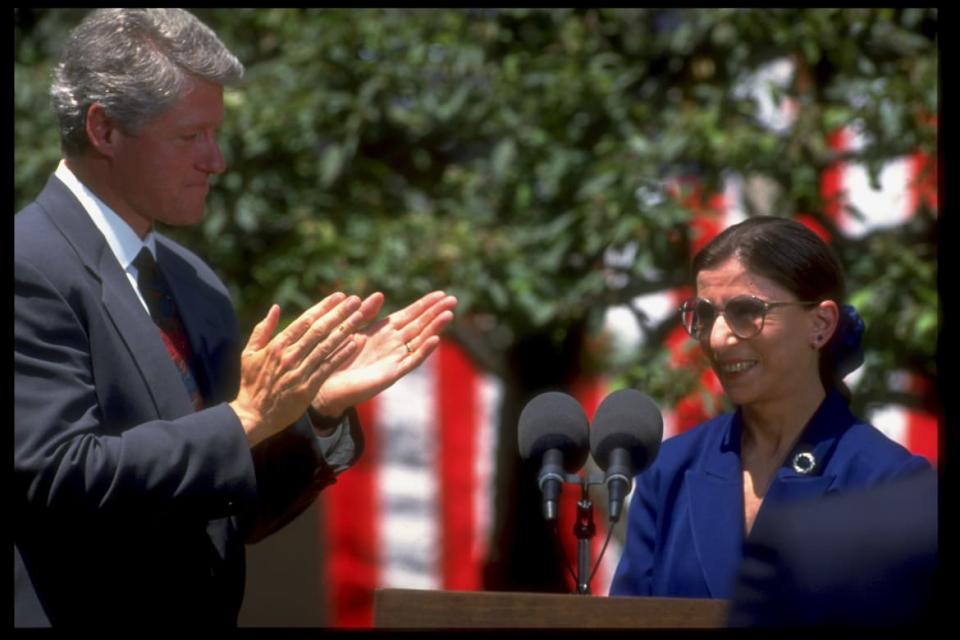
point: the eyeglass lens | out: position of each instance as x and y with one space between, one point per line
743 314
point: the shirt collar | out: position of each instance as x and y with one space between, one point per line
120 236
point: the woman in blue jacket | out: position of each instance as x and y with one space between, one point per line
769 315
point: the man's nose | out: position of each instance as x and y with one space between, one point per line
211 158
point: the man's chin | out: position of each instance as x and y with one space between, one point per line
184 219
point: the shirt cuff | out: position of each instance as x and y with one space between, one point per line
338 448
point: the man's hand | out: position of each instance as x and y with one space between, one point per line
385 351
279 377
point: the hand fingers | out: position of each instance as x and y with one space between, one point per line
418 355
328 332
422 326
299 326
437 325
342 354
371 306
260 336
358 338
405 316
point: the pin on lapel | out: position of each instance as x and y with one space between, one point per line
804 462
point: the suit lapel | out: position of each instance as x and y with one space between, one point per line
137 331
805 472
716 514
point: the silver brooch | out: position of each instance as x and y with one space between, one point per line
804 462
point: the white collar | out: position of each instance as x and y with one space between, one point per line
120 236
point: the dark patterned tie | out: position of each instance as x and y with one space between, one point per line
163 310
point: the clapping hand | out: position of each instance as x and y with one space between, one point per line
280 375
385 350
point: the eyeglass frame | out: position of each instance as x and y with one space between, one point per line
765 306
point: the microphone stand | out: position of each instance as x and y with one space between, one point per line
584 528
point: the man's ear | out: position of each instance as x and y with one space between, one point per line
102 131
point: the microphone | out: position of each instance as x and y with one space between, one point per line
624 440
553 427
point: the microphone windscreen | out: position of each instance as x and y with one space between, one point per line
554 420
630 420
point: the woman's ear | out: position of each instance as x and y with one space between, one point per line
824 319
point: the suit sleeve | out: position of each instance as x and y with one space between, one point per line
291 471
67 462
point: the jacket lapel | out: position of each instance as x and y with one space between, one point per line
805 472
136 330
716 514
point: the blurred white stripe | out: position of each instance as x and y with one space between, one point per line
485 434
885 207
891 420
407 482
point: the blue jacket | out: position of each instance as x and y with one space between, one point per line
685 530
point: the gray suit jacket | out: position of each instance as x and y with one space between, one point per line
132 508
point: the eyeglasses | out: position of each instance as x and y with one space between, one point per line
744 315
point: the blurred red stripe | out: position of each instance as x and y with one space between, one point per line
457 400
350 508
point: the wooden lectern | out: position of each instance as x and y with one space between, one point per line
423 609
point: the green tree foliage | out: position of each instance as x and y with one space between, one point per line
499 154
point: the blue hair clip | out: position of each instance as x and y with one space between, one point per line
846 348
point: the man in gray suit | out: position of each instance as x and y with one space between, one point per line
149 443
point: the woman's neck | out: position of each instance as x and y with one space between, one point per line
772 428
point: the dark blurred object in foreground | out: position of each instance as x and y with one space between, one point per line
859 559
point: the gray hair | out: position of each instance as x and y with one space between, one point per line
136 63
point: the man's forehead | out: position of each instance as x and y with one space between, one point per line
200 105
